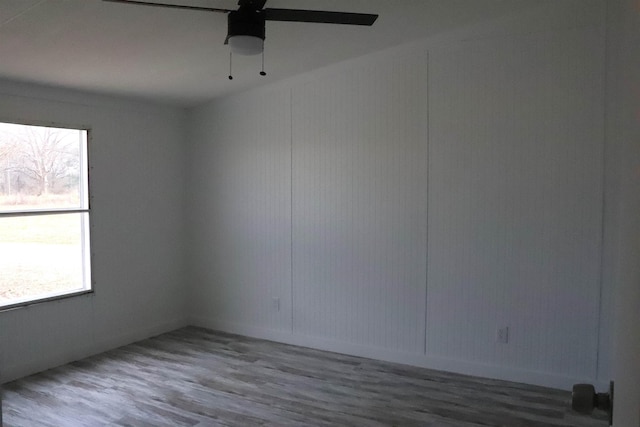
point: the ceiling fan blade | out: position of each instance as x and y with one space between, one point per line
254 4
168 5
319 16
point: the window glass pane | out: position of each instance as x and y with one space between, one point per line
42 168
43 256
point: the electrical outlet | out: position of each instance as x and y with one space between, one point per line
502 336
276 303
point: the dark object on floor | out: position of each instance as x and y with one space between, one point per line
584 400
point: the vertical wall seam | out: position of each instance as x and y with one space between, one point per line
291 202
605 78
427 137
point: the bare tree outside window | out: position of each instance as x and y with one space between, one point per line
46 157
38 162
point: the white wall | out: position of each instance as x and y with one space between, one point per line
137 169
359 204
406 204
623 136
240 207
515 200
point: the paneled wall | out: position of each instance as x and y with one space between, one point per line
515 200
137 171
408 204
359 205
240 216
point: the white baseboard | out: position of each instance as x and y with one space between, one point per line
498 372
138 335
49 361
10 373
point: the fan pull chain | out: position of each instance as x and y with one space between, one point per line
262 73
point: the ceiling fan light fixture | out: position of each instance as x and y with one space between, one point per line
246 45
246 32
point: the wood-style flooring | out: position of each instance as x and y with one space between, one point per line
196 377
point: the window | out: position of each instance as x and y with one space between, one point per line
44 214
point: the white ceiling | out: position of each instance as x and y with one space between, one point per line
178 56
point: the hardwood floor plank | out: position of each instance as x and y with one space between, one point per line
194 377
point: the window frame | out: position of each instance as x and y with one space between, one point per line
85 219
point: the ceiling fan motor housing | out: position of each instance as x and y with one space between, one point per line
246 31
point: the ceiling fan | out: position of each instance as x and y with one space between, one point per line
246 25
